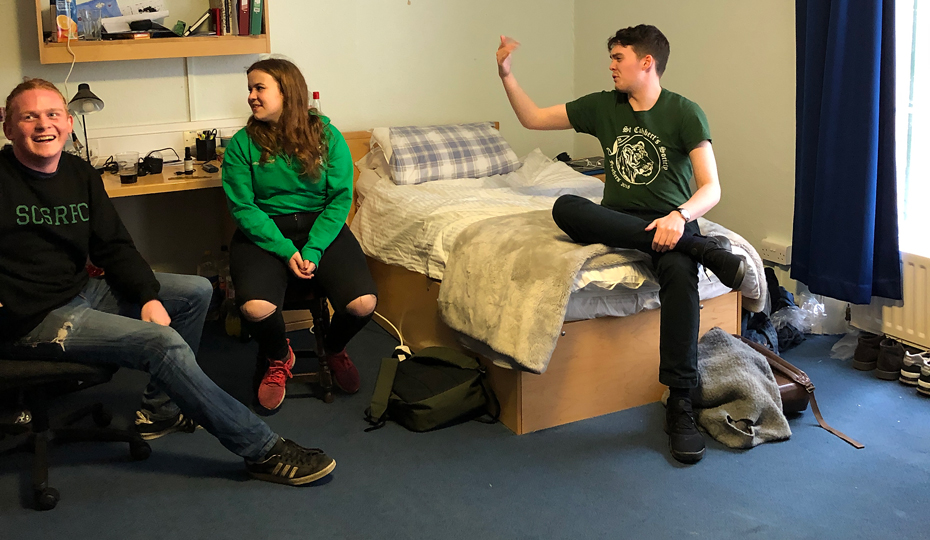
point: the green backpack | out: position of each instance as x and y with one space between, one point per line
434 388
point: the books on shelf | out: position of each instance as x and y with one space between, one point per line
202 26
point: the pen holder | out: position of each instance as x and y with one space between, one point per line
206 149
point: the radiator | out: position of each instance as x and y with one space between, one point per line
909 322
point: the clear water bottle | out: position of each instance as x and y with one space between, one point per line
315 104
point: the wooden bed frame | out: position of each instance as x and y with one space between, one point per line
599 366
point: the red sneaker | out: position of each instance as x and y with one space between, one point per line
345 375
271 390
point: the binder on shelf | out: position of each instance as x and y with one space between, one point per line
244 11
255 20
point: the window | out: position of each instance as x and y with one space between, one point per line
912 124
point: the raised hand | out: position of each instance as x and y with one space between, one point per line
507 46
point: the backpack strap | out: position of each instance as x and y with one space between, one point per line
798 376
494 406
377 411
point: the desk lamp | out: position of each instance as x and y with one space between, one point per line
85 102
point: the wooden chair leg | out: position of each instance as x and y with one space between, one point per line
320 327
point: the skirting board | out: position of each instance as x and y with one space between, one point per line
599 366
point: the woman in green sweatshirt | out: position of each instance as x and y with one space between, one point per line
288 181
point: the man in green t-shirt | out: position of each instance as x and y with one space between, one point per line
654 141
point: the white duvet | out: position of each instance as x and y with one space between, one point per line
416 226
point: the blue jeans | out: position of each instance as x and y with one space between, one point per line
98 327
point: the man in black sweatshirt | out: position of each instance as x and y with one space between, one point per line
54 215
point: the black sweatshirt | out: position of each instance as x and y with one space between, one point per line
49 225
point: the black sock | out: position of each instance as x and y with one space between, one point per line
271 335
679 393
343 328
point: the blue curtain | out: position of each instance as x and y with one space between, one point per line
845 241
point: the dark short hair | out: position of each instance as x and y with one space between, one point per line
643 39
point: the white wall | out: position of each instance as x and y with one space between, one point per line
736 59
390 62
375 62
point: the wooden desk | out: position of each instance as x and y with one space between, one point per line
165 182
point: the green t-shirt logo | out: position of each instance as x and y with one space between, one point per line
636 159
646 153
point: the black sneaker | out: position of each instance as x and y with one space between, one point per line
150 429
714 253
911 365
685 442
923 383
289 463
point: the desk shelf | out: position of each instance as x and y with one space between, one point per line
161 183
143 49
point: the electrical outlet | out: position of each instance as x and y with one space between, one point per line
190 138
775 251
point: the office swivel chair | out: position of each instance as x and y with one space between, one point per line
313 300
29 386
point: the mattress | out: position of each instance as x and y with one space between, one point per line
415 227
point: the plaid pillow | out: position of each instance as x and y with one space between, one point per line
424 153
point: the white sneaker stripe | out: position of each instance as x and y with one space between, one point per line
277 468
293 472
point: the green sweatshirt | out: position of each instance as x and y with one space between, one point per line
255 191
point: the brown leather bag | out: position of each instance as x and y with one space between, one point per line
796 389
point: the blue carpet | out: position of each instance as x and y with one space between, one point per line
607 477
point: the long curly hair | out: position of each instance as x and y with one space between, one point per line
297 134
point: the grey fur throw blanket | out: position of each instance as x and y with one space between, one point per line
739 403
508 279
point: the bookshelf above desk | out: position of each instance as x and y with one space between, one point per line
143 49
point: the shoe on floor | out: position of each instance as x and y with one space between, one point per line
911 366
150 429
271 387
923 384
291 464
685 442
345 374
867 349
891 359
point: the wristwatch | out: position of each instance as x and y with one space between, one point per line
684 213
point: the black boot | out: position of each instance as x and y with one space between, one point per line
685 442
714 253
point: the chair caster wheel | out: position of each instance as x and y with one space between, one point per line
140 450
102 418
328 398
46 498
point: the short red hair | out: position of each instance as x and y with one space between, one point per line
31 84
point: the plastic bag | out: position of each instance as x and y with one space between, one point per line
846 346
794 316
816 311
807 317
